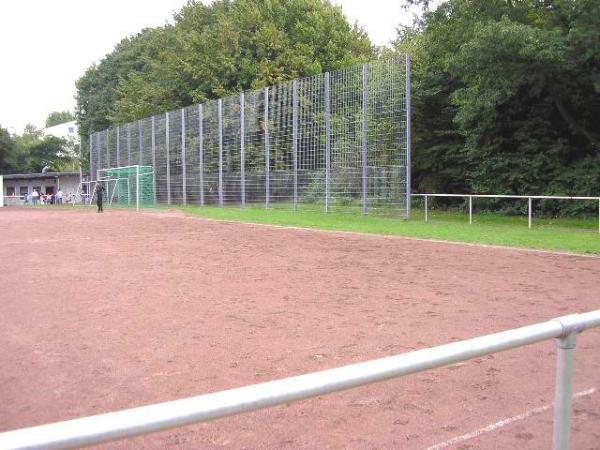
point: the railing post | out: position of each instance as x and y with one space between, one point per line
529 210
426 214
563 406
598 216
201 151
242 150
365 135
168 158
267 150
470 210
327 139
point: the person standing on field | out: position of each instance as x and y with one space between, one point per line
35 196
99 196
59 197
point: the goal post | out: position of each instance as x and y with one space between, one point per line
129 186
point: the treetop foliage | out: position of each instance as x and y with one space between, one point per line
31 152
506 96
215 50
58 117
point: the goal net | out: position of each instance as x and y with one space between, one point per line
131 186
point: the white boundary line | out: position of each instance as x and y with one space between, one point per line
503 423
45 241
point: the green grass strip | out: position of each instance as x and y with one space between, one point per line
569 234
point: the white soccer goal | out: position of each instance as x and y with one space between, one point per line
130 186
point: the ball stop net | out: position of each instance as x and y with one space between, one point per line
131 186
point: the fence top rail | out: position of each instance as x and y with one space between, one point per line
550 197
398 59
124 167
161 416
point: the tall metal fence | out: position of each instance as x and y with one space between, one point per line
336 141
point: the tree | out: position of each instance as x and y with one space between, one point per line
58 117
47 153
506 96
32 152
7 148
211 51
97 88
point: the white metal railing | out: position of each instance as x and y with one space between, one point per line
13 200
529 198
161 416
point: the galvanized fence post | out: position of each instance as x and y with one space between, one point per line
118 146
242 150
168 154
529 210
129 144
327 139
426 216
140 143
295 139
98 160
201 150
408 137
183 159
267 150
137 187
107 150
91 155
153 143
563 406
220 113
365 135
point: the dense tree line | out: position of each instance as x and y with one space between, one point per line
506 93
33 152
211 51
506 97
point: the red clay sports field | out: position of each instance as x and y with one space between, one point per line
105 312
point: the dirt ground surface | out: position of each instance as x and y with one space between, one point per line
101 312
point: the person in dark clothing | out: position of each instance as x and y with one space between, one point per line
99 196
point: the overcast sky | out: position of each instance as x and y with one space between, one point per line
46 45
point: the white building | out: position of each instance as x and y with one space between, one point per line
17 187
67 130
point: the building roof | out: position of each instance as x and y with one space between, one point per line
35 176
